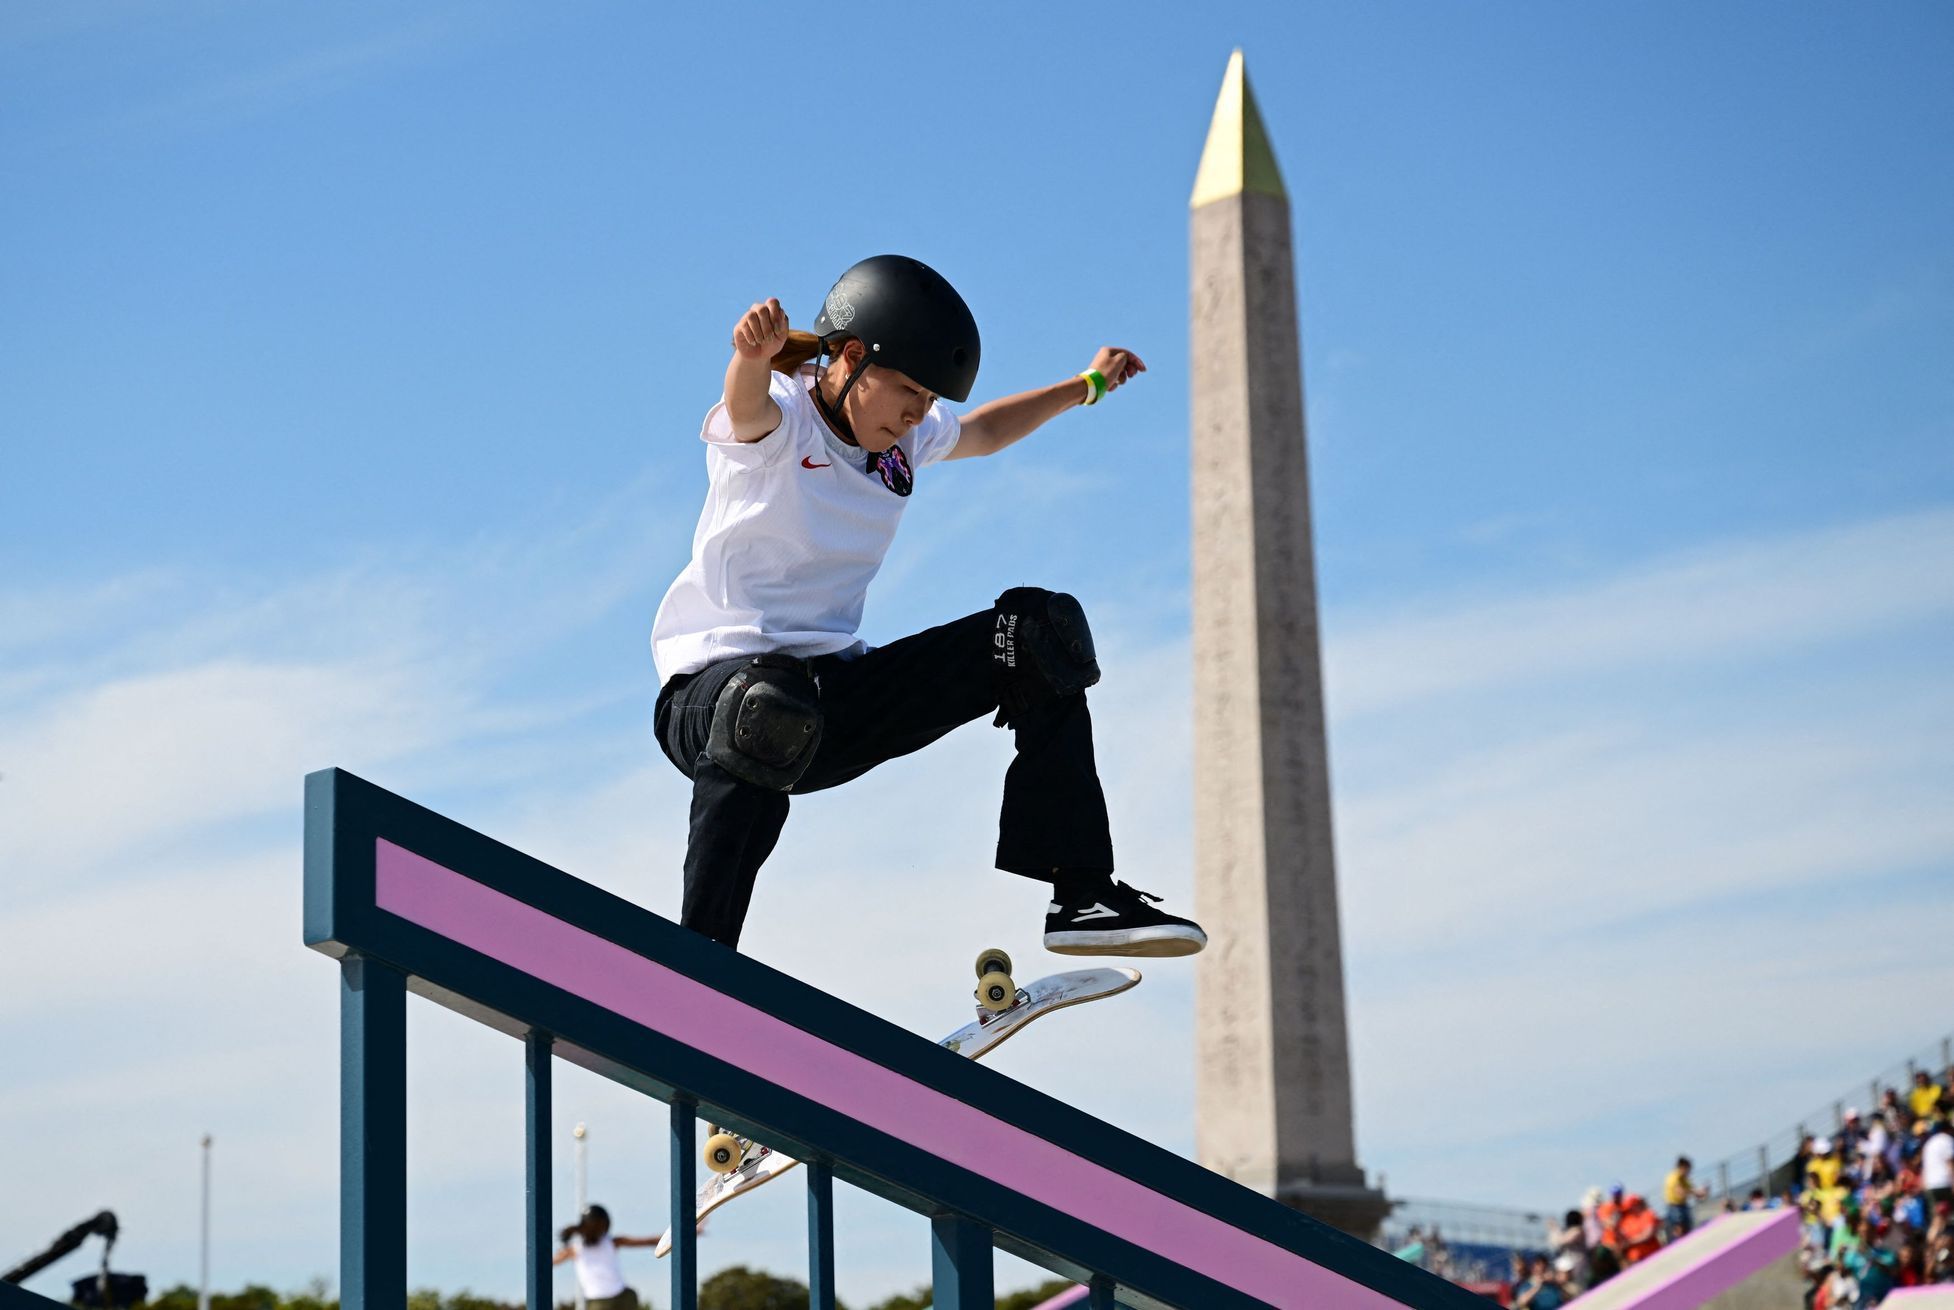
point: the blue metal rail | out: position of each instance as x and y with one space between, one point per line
407 900
13 1297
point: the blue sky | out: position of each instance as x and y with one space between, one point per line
350 366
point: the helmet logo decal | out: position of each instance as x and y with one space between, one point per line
840 312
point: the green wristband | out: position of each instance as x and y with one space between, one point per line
1097 381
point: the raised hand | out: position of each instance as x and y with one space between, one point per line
1117 366
762 331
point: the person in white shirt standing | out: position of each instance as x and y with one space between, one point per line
1937 1165
767 690
590 1244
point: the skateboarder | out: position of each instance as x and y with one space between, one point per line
813 452
590 1244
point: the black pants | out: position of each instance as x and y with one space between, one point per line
893 700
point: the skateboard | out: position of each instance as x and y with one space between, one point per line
740 1164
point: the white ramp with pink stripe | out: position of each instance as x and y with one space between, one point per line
1714 1259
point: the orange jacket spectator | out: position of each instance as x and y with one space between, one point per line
1628 1225
1607 1216
1640 1230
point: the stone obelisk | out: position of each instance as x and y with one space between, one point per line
1273 1099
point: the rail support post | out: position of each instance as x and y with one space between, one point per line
961 1259
685 1187
536 1105
372 1135
820 1236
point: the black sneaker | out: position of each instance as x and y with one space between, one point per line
1115 919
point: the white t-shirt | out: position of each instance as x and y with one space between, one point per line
1937 1161
792 532
597 1271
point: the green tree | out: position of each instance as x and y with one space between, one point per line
315 1295
920 1299
467 1300
916 1300
1034 1296
255 1296
740 1288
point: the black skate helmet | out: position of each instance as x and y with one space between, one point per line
908 319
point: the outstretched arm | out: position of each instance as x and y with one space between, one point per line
995 424
757 338
565 1254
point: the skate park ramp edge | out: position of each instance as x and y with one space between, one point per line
1716 1259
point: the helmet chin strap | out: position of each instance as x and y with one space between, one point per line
834 416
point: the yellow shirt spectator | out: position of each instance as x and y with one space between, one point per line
1922 1100
1675 1188
1829 1201
1824 1171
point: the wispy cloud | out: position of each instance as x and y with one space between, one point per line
1602 846
303 75
261 78
1590 830
1733 601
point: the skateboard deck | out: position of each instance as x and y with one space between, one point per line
975 1040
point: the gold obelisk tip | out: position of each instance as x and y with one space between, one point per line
1237 157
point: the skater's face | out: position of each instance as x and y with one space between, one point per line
884 405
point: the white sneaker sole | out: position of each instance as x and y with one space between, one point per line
1160 941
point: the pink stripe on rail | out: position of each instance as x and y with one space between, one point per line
648 993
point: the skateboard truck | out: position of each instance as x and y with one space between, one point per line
995 990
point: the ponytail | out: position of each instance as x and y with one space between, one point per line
800 348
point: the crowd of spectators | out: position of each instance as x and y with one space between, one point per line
1876 1200
1611 1231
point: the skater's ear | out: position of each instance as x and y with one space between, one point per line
848 352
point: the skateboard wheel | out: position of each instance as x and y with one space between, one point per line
723 1152
993 961
996 991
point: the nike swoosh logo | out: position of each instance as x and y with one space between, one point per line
1098 911
807 462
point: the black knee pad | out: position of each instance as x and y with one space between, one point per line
1041 648
766 723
